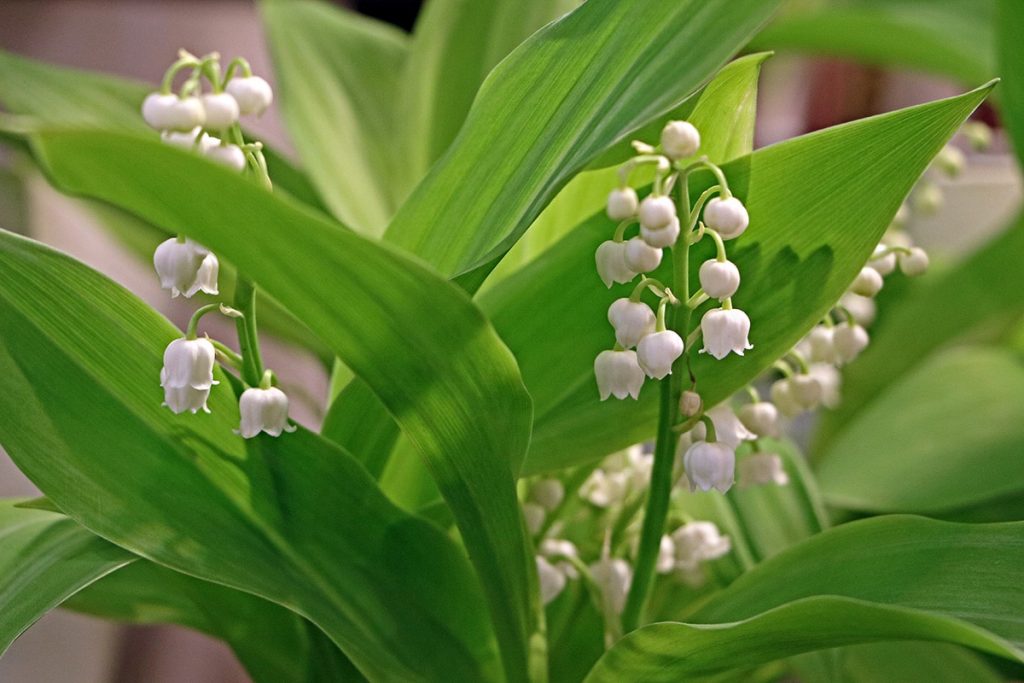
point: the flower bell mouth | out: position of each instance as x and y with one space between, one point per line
186 268
187 375
263 410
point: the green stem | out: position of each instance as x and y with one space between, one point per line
660 491
705 196
190 331
721 256
233 358
653 283
248 341
237 63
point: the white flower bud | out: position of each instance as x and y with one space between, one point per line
822 348
263 410
603 489
725 331
884 264
657 212
915 263
806 390
642 257
728 428
231 156
862 308
618 374
252 93
783 398
867 283
221 110
185 268
170 112
612 576
182 140
622 203
552 581
829 379
611 263
533 516
632 320
928 198
187 374
710 466
697 542
690 403
759 469
978 134
728 217
761 418
680 139
720 279
555 548
950 161
666 555
548 493
659 239
849 341
657 351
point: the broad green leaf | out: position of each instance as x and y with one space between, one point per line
887 578
914 663
560 99
295 520
337 79
933 312
274 644
946 37
1009 23
454 46
803 248
947 435
415 339
44 558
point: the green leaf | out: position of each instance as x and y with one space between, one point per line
946 37
1009 22
803 248
914 663
414 338
82 419
887 578
561 98
951 427
44 558
454 46
337 81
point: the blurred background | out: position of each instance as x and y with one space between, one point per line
139 38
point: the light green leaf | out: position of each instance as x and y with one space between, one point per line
947 435
560 99
946 37
295 520
803 248
414 338
914 663
337 78
1009 22
44 558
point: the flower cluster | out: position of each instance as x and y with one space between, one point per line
647 343
186 268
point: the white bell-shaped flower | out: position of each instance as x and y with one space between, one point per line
759 469
727 216
680 139
556 551
662 238
622 203
783 398
950 160
170 112
642 257
821 343
183 140
806 390
719 279
884 263
612 577
552 581
849 341
690 403
867 283
187 374
185 268
728 427
263 410
252 93
611 263
725 331
862 308
710 466
221 111
231 156
632 320
697 542
618 374
548 493
603 489
657 212
761 418
928 198
657 351
534 515
915 263
829 379
666 555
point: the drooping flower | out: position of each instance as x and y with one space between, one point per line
759 469
263 410
727 216
883 260
862 308
552 581
187 374
719 279
622 203
618 374
697 542
666 555
849 341
657 351
252 93
761 418
657 212
632 320
783 398
867 283
170 112
611 263
915 263
612 577
725 331
806 390
821 340
642 257
231 156
663 237
534 515
221 111
548 493
185 267
680 139
710 466
829 380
